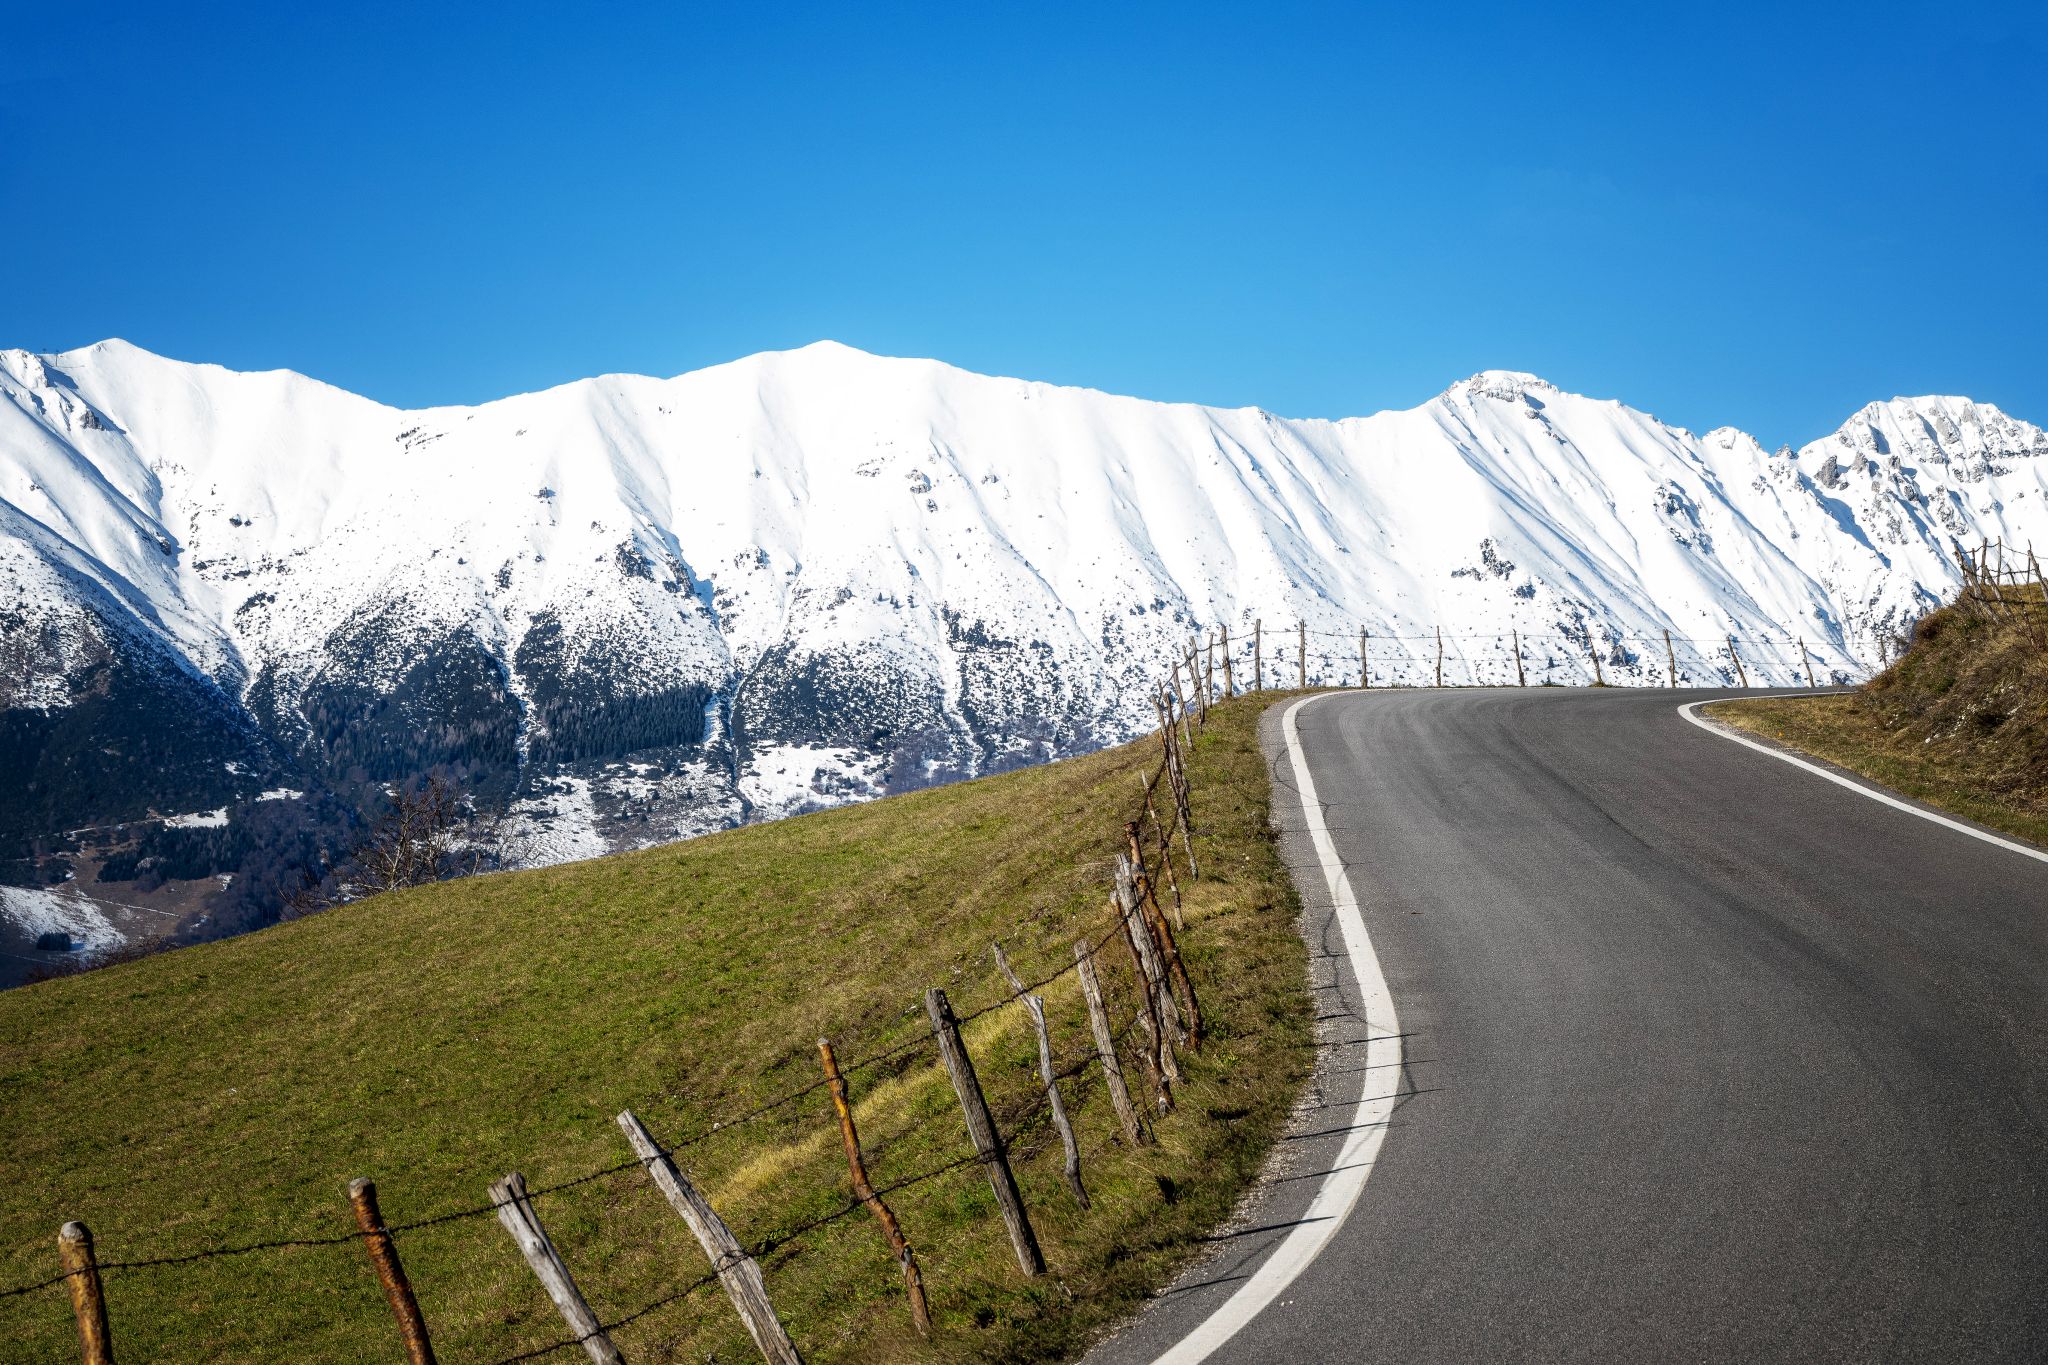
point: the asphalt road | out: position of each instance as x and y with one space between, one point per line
1702 1057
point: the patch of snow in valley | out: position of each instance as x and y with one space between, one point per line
790 778
557 824
206 819
36 912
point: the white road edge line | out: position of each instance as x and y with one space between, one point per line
1715 727
1346 1181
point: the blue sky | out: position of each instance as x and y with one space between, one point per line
1760 216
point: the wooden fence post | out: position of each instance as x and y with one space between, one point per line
88 1300
1165 854
738 1272
864 1190
1035 1006
1156 1056
1209 666
1521 678
1301 668
1177 780
1181 701
1258 654
988 1143
1173 1029
515 1211
1594 645
1105 1047
1806 661
412 1326
1364 663
1670 659
1741 674
1163 933
1439 656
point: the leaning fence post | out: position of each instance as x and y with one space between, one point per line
1670 659
1740 674
738 1272
412 1327
1229 678
1594 645
88 1302
1806 662
864 1190
1165 854
1036 1008
1180 700
1105 1046
1258 654
1163 932
1301 668
1521 678
1173 1029
1364 664
1155 1048
981 1128
515 1211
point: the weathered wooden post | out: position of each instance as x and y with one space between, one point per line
1594 645
1156 1056
1165 852
1806 662
1521 678
1364 663
88 1300
1163 933
864 1190
1258 654
1439 656
1740 673
981 1128
412 1325
1105 1047
515 1211
1229 680
738 1272
1181 701
1151 964
1670 659
1035 1007
1301 668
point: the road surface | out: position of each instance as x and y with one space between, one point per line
1696 1056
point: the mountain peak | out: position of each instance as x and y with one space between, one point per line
1505 385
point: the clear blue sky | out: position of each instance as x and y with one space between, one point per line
1761 216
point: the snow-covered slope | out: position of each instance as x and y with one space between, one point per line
661 605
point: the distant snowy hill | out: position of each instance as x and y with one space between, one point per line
644 607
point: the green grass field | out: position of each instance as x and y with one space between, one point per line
436 1039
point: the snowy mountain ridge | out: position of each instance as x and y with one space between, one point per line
655 606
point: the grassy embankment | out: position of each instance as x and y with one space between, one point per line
1960 721
438 1038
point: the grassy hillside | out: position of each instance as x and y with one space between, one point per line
439 1038
1960 721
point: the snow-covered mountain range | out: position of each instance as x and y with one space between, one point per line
642 607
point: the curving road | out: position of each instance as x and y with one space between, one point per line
1698 1057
